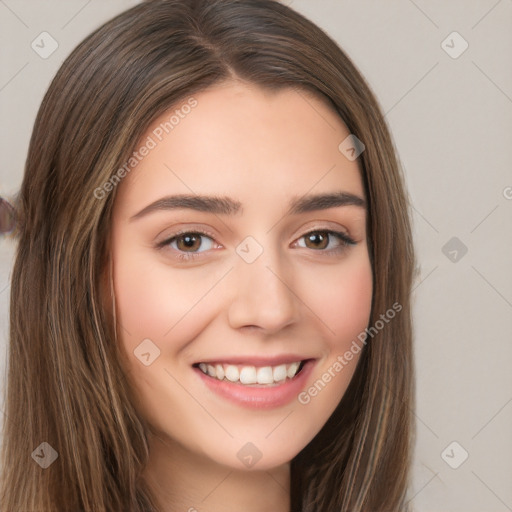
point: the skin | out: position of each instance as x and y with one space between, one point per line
261 149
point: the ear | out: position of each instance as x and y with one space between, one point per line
7 216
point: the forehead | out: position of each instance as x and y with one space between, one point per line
243 140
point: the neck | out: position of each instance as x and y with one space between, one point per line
186 481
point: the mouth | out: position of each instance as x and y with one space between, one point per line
264 384
252 375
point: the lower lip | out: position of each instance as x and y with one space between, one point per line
263 397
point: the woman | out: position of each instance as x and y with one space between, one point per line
266 371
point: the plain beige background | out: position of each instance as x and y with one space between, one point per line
449 109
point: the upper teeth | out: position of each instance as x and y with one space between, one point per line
251 374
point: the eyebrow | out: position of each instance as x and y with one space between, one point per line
227 206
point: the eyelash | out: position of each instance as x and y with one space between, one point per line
345 240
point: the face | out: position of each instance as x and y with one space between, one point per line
237 305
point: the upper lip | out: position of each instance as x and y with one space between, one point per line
256 360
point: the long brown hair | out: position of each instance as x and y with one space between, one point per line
66 386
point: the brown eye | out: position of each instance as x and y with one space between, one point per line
318 239
189 242
321 239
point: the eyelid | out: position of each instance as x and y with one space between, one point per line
345 241
188 229
183 255
167 240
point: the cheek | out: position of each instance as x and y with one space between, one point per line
152 299
342 300
156 302
343 303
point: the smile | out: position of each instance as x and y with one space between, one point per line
260 385
248 375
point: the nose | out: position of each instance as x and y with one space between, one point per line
263 295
